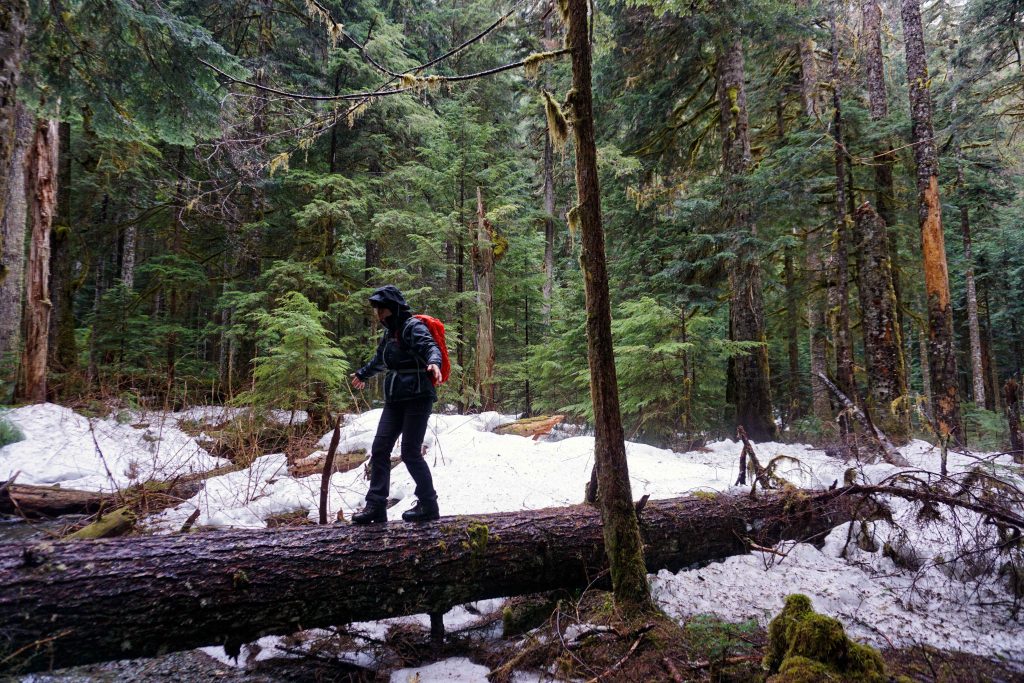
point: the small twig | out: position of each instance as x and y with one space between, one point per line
728 661
325 479
619 663
761 548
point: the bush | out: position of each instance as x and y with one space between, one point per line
9 432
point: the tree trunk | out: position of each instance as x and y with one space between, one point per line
748 379
63 354
941 347
888 398
42 188
885 158
973 325
792 336
1011 391
78 602
838 293
549 211
549 227
128 256
12 232
622 540
808 73
993 366
483 262
926 375
13 21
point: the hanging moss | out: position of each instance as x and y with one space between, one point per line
806 647
558 126
573 219
531 65
563 11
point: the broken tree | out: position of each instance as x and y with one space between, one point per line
72 603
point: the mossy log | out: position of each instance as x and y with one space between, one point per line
114 523
68 603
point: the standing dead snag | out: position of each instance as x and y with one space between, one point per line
42 188
941 345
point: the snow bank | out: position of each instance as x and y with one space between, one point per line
63 447
940 603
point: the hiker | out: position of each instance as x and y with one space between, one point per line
408 352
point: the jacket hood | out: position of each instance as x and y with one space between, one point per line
391 298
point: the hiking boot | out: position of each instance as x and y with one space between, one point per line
371 514
425 511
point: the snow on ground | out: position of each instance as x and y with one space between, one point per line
63 447
475 471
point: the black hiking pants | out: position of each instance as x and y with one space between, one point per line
407 419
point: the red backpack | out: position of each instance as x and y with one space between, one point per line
436 328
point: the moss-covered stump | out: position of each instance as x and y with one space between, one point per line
807 647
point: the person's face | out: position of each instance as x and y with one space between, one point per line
381 312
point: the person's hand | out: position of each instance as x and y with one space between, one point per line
356 382
435 373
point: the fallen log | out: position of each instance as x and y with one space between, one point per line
80 602
50 501
533 427
53 501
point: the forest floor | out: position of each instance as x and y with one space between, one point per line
915 586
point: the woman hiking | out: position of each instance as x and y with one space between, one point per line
412 358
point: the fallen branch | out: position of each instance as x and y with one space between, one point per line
888 449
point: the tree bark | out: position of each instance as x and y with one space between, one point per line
12 232
78 602
748 379
888 398
622 540
128 256
13 22
483 262
42 188
941 347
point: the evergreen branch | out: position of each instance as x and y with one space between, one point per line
304 96
376 93
380 67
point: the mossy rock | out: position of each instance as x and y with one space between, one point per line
805 647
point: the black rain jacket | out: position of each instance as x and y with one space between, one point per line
405 350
